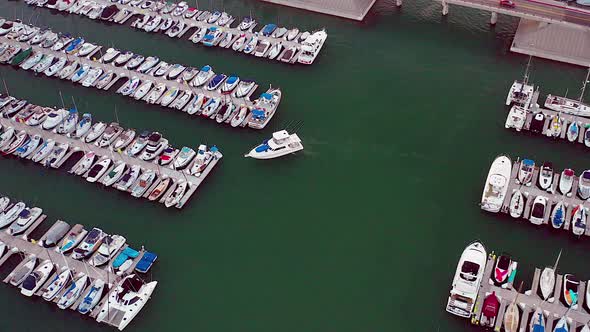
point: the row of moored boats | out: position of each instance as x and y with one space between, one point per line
212 27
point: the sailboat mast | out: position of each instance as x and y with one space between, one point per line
584 85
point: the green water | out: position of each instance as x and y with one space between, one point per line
401 116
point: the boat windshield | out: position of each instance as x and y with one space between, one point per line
503 262
469 271
538 210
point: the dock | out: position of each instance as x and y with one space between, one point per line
348 8
122 73
530 300
77 145
29 249
553 195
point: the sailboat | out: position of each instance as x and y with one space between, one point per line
512 316
538 321
547 280
570 106
521 92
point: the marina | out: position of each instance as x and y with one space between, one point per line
544 307
201 92
210 28
141 164
70 282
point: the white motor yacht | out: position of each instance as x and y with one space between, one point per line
185 156
496 184
467 280
280 144
54 118
155 145
538 210
110 245
311 46
579 215
98 170
525 172
37 278
546 176
566 181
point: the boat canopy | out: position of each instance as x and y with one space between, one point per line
214 149
568 172
491 305
258 114
206 68
268 29
266 96
262 148
232 79
528 162
280 135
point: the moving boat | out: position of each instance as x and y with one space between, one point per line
489 310
525 172
128 298
25 219
16 278
546 176
92 296
502 270
579 220
283 143
75 235
160 189
311 46
73 291
538 210
175 197
184 157
558 215
467 280
496 184
584 185
110 245
537 323
566 181
90 243
57 284
37 278
143 183
570 289
114 175
98 170
9 216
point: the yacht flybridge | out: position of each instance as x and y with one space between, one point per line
280 144
467 280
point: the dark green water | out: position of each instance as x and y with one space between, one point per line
402 115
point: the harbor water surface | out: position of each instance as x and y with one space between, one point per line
401 116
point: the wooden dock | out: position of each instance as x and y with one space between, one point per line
530 300
553 195
76 145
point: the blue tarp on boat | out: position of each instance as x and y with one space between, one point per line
262 148
258 114
266 96
232 80
124 255
528 162
146 262
206 68
268 29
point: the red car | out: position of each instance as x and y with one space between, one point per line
507 3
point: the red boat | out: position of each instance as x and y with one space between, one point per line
489 312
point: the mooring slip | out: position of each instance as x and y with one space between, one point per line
77 269
212 28
141 163
193 91
539 194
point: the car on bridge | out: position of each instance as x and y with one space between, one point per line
507 3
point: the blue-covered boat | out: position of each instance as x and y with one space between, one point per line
216 82
268 29
126 254
91 297
74 45
211 37
146 262
558 215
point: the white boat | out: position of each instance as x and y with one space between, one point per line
467 280
68 125
32 61
129 59
196 104
124 139
251 44
566 181
84 125
275 50
291 34
155 145
181 101
54 118
68 70
152 24
70 241
85 163
264 108
175 197
226 40
516 118
21 138
128 178
110 245
89 245
570 290
114 175
230 84
167 156
56 155
44 63
73 292
525 172
169 96
558 215
237 45
202 159
44 151
92 77
520 93
204 75
25 219
37 278
261 48
16 278
155 93
80 73
110 55
143 89
138 144
224 19
567 105
98 170
130 86
555 126
56 67
280 144
538 210
6 137
110 135
198 36
127 298
579 220
184 158
512 318
143 183
584 185
561 325
247 23
546 176
25 150
175 71
573 131
4 202
92 296
9 216
516 204
95 132
311 46
496 184
161 69
239 118
57 284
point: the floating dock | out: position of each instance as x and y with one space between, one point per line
191 23
529 301
553 195
79 145
29 248
122 73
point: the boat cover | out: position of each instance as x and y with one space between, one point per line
258 114
146 262
266 96
528 162
491 305
124 255
232 79
262 148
